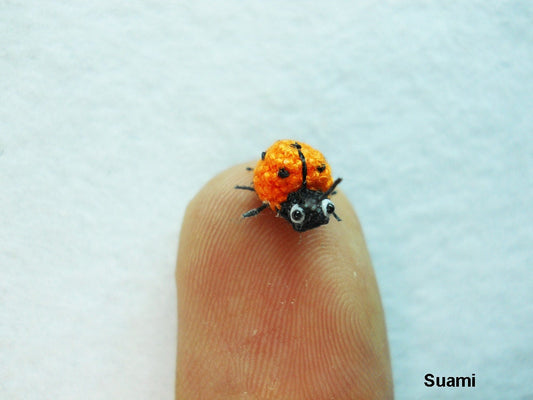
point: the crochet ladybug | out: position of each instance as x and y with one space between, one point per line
294 180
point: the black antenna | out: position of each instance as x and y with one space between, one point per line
331 188
304 164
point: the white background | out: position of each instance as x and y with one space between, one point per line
114 114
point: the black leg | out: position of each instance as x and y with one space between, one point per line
245 188
337 217
255 211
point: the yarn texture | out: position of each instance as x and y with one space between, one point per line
273 186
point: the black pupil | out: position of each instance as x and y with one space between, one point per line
330 208
297 214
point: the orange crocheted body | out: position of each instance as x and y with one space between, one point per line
271 186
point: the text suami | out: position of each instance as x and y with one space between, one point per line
431 380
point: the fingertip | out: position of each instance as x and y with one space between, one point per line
239 276
215 216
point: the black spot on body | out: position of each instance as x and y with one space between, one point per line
263 154
283 173
321 168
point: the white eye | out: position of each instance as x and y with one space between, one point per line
297 214
327 207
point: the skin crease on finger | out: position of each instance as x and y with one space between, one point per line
265 312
